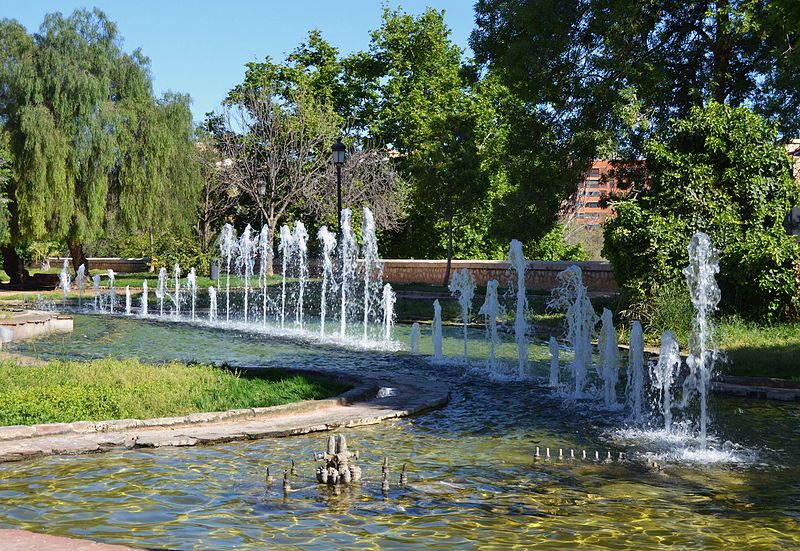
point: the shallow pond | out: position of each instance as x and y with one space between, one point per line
474 481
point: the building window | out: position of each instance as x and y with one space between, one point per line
594 173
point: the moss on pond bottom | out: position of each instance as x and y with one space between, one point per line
62 392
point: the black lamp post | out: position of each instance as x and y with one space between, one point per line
339 154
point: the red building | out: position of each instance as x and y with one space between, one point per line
584 209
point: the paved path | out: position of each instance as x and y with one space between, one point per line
22 540
369 403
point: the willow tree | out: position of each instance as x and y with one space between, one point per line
91 145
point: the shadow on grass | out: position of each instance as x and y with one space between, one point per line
778 361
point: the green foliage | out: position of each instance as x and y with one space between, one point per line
62 392
166 250
91 145
553 247
665 308
184 251
718 171
615 72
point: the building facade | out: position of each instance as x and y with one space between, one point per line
586 210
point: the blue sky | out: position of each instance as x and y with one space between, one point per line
200 47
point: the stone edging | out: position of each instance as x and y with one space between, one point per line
746 387
362 405
16 432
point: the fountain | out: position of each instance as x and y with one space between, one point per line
96 291
581 321
348 255
413 339
705 295
328 241
143 303
64 279
265 255
437 330
161 289
491 310
112 293
463 285
212 304
373 269
127 300
227 246
634 389
608 366
554 351
300 243
388 312
339 467
285 246
247 250
79 279
191 285
663 375
519 264
176 295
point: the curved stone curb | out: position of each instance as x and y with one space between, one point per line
767 388
368 403
757 387
361 391
22 540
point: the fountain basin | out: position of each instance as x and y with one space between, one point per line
28 324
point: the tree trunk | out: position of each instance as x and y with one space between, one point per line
270 253
449 250
78 256
13 266
721 52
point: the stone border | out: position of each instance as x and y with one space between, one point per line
378 396
17 432
24 540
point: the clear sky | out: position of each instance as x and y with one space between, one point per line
200 47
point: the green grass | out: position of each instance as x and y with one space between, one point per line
62 392
760 351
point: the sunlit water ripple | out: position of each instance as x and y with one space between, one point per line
473 479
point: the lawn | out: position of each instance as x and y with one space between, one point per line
66 391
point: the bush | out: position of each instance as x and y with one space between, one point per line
718 171
166 250
552 246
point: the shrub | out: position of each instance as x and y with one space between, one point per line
552 246
718 171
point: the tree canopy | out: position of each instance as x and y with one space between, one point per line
90 144
619 70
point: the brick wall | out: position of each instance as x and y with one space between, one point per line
597 276
119 265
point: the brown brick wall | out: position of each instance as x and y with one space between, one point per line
119 265
597 276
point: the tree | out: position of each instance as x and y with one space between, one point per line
718 171
279 151
91 145
422 101
219 197
368 180
620 70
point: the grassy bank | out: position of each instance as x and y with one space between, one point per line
760 351
121 389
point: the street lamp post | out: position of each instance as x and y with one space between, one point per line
339 154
